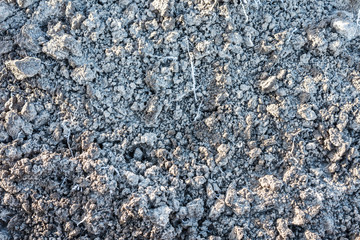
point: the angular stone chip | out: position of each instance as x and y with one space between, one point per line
24 68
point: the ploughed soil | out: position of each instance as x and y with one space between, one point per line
179 119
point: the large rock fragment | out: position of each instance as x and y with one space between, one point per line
24 68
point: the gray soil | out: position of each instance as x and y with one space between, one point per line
179 119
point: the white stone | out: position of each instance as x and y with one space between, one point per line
346 28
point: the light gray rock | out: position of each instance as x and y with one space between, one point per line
25 3
269 85
160 215
270 182
13 124
61 47
162 6
83 75
132 178
24 68
237 233
217 209
30 37
306 112
5 11
5 46
195 208
346 28
28 111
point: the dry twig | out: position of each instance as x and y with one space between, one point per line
192 69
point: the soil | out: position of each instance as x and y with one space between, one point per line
179 119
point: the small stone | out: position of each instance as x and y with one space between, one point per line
299 217
273 109
24 68
346 28
231 195
237 233
221 158
138 154
28 111
5 46
195 208
160 215
25 3
60 47
172 37
255 153
132 178
5 11
149 139
118 31
14 124
173 170
269 85
30 37
311 235
199 181
223 149
168 24
283 229
76 21
162 6
270 182
27 128
306 112
335 137
241 207
334 47
217 209
310 146
3 133
83 75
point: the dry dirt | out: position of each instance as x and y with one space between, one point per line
179 119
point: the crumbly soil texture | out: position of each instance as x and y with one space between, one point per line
179 119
